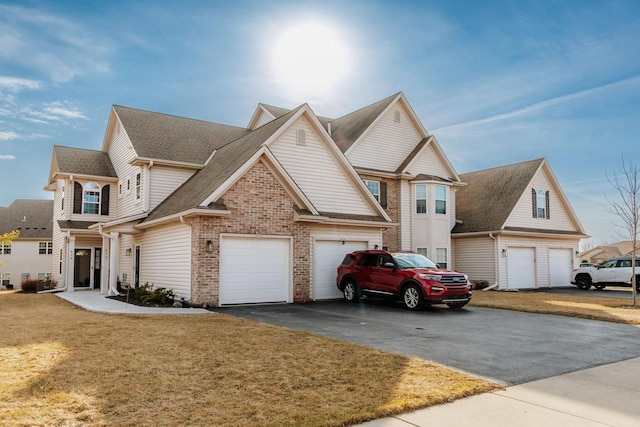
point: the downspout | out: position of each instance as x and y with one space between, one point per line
64 288
497 270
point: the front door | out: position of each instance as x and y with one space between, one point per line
82 268
97 261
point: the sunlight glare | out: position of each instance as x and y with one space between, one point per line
310 58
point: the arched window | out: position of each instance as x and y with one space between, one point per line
541 202
91 198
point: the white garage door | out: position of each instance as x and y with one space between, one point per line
560 267
521 271
254 270
328 255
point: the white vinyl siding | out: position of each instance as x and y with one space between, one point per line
24 258
475 256
429 162
164 181
121 152
387 144
263 119
166 258
318 172
521 216
405 215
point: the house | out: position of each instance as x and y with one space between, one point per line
602 253
516 228
219 214
29 256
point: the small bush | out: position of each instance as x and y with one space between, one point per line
147 294
479 284
31 286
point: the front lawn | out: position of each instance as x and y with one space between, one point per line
618 310
61 365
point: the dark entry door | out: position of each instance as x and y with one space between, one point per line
82 268
97 260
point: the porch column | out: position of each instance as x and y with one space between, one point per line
113 263
71 251
104 273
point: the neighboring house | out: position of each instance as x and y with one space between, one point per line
29 256
602 253
219 214
516 227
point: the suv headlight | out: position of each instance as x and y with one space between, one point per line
435 277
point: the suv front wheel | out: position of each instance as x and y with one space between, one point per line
412 297
583 281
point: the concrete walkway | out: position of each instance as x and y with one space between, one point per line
607 395
94 301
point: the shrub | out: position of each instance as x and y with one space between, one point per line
479 284
31 286
147 294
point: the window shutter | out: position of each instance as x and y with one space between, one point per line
77 198
546 198
534 199
104 200
383 194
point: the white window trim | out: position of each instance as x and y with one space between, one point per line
137 184
84 203
440 200
415 198
376 195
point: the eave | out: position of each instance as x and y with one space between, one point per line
140 161
181 216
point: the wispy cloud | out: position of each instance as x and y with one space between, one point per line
7 157
47 113
16 84
7 135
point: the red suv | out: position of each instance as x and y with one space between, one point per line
408 276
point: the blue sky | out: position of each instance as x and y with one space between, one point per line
495 82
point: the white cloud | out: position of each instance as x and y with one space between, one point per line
7 157
58 110
7 135
16 84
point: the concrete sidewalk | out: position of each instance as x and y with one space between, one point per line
94 301
608 395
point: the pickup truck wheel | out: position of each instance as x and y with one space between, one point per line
583 281
412 297
456 305
351 291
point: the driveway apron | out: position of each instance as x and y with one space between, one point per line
506 347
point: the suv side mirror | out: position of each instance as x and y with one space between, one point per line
389 265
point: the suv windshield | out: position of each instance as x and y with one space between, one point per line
405 261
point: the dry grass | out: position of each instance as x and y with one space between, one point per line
61 365
619 310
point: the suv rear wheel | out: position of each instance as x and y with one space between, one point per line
412 297
351 291
583 281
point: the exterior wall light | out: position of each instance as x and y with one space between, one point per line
209 247
504 252
128 252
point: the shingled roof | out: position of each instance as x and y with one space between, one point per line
347 129
163 136
491 195
227 160
83 162
33 218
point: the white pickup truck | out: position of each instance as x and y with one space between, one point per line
614 272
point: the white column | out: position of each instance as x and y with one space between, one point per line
71 252
113 263
104 273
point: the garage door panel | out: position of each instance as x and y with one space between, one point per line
328 254
560 267
521 268
254 270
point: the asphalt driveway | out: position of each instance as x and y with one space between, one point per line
504 346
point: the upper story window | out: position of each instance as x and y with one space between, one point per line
441 257
421 198
91 198
138 186
45 248
540 200
441 199
5 248
374 187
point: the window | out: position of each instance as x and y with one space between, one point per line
44 276
421 198
441 199
540 201
25 276
138 179
91 198
45 248
6 279
374 187
441 257
301 137
5 248
422 251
